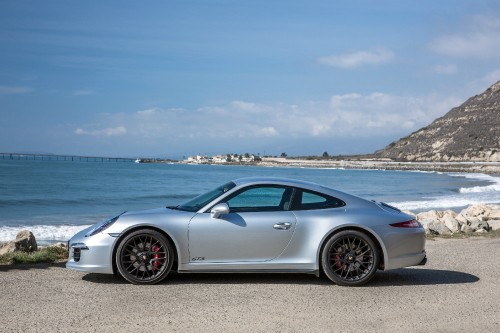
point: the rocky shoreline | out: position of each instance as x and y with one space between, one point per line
492 168
478 219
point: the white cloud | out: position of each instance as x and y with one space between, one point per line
479 39
147 112
358 59
378 113
116 131
351 115
268 131
4 90
445 69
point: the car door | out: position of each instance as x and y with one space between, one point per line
258 227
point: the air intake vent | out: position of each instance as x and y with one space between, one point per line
76 254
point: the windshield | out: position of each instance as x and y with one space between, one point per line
195 204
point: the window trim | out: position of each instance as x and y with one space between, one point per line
258 209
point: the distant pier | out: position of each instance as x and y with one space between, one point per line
74 158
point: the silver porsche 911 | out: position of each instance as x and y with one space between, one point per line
255 225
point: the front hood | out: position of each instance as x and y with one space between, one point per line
151 211
158 217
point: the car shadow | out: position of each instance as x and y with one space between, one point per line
397 277
219 278
420 277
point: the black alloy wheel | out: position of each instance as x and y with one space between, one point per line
144 257
350 258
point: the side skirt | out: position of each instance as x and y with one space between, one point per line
315 272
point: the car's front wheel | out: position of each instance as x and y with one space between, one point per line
144 257
350 258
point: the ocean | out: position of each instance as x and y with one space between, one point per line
56 199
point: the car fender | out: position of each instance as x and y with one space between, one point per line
358 227
174 226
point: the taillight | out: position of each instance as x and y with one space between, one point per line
406 224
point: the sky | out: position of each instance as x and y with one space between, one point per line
169 79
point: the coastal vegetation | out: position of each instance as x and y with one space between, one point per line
46 255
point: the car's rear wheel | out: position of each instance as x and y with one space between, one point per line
144 257
350 258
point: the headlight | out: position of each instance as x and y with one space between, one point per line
99 227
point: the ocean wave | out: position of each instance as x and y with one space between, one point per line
479 189
444 202
49 233
493 187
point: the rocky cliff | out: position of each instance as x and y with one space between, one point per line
470 132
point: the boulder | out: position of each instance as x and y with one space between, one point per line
25 241
476 210
494 214
494 224
480 224
451 223
461 219
473 224
431 215
448 213
438 228
425 224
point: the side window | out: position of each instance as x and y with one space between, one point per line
312 200
258 199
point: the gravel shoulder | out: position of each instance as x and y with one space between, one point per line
457 291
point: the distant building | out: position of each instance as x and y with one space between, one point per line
221 159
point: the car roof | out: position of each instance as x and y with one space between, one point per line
297 183
278 181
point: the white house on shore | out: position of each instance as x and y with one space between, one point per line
220 159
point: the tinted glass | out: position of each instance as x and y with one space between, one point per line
312 200
261 199
197 203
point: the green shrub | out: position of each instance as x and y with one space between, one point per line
49 254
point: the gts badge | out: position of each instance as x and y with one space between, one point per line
198 259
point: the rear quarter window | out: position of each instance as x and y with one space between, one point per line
312 200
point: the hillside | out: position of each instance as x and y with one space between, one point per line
470 132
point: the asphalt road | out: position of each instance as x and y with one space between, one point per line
457 291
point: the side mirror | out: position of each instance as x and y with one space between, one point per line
219 209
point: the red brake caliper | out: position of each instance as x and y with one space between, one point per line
336 259
338 264
156 262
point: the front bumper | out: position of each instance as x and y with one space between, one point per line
92 254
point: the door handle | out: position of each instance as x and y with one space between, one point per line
282 226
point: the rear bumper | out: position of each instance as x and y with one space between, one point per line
404 247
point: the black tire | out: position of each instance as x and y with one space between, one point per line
350 258
144 257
